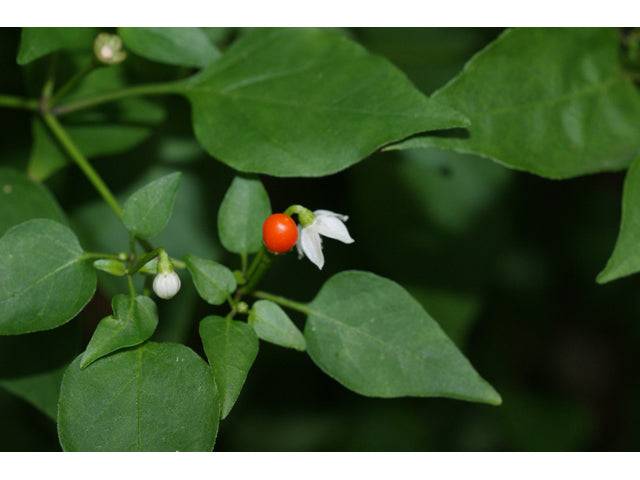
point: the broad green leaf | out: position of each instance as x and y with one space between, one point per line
550 101
44 280
109 130
41 41
244 208
370 335
149 209
155 397
305 102
22 199
190 47
625 259
39 389
272 324
134 319
214 281
231 348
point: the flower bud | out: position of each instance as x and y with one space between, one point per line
242 307
166 284
108 49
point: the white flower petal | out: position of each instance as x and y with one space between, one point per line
299 243
311 245
329 213
332 227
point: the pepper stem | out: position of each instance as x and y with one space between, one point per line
305 216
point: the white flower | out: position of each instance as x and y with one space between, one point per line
166 284
326 223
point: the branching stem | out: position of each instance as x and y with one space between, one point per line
285 302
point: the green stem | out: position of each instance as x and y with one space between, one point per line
143 260
243 263
259 266
20 103
132 288
148 89
66 142
285 302
98 256
73 81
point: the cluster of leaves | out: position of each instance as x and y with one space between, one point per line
288 103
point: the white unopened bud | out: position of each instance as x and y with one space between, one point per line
108 49
166 284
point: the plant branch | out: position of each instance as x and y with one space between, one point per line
93 176
285 302
259 266
20 103
148 89
73 82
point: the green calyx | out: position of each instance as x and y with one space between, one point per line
164 263
305 216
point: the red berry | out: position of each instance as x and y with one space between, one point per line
279 233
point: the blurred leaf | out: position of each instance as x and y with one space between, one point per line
625 259
244 208
369 334
214 282
305 102
149 209
22 199
110 130
554 102
451 189
134 319
44 281
429 56
31 365
231 348
272 324
456 312
40 389
156 397
38 42
190 47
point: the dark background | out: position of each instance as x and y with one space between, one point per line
505 261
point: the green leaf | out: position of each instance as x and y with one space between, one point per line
38 42
550 101
149 209
231 348
31 365
214 281
22 199
370 335
189 47
44 280
156 397
110 130
39 389
112 267
244 208
272 324
625 259
305 102
456 312
133 321
452 190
